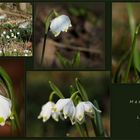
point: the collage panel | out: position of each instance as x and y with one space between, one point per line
15 29
125 42
12 110
125 113
69 35
68 104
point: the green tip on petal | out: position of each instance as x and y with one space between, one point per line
1 119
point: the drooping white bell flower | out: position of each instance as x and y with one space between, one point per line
89 107
67 107
60 23
60 104
5 109
46 111
82 108
80 113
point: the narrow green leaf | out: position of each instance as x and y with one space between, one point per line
63 61
98 121
81 90
55 89
76 60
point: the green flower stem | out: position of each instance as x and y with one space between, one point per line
56 90
52 14
132 53
52 95
7 81
86 130
74 95
80 130
43 51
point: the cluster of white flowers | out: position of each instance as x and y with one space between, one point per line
65 108
10 34
5 110
60 23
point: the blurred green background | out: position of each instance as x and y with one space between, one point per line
125 18
38 91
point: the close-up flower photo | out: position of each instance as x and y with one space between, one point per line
11 98
69 35
15 29
76 102
125 42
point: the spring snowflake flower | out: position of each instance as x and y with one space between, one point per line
46 112
67 107
12 35
82 108
15 50
7 36
60 23
5 110
2 35
4 32
18 33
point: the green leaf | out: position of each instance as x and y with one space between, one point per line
55 89
81 90
136 58
63 61
76 60
98 121
52 14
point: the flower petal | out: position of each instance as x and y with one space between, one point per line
60 23
60 104
79 115
46 111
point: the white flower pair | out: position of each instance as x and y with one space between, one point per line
60 23
66 108
5 110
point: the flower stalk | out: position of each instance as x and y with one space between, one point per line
8 83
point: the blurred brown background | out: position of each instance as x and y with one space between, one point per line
87 33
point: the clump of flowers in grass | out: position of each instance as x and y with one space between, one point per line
15 37
77 107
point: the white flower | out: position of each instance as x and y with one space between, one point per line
67 107
15 50
15 37
82 108
18 33
2 17
5 109
79 115
7 36
12 35
60 23
2 35
46 111
89 107
10 30
4 32
26 51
